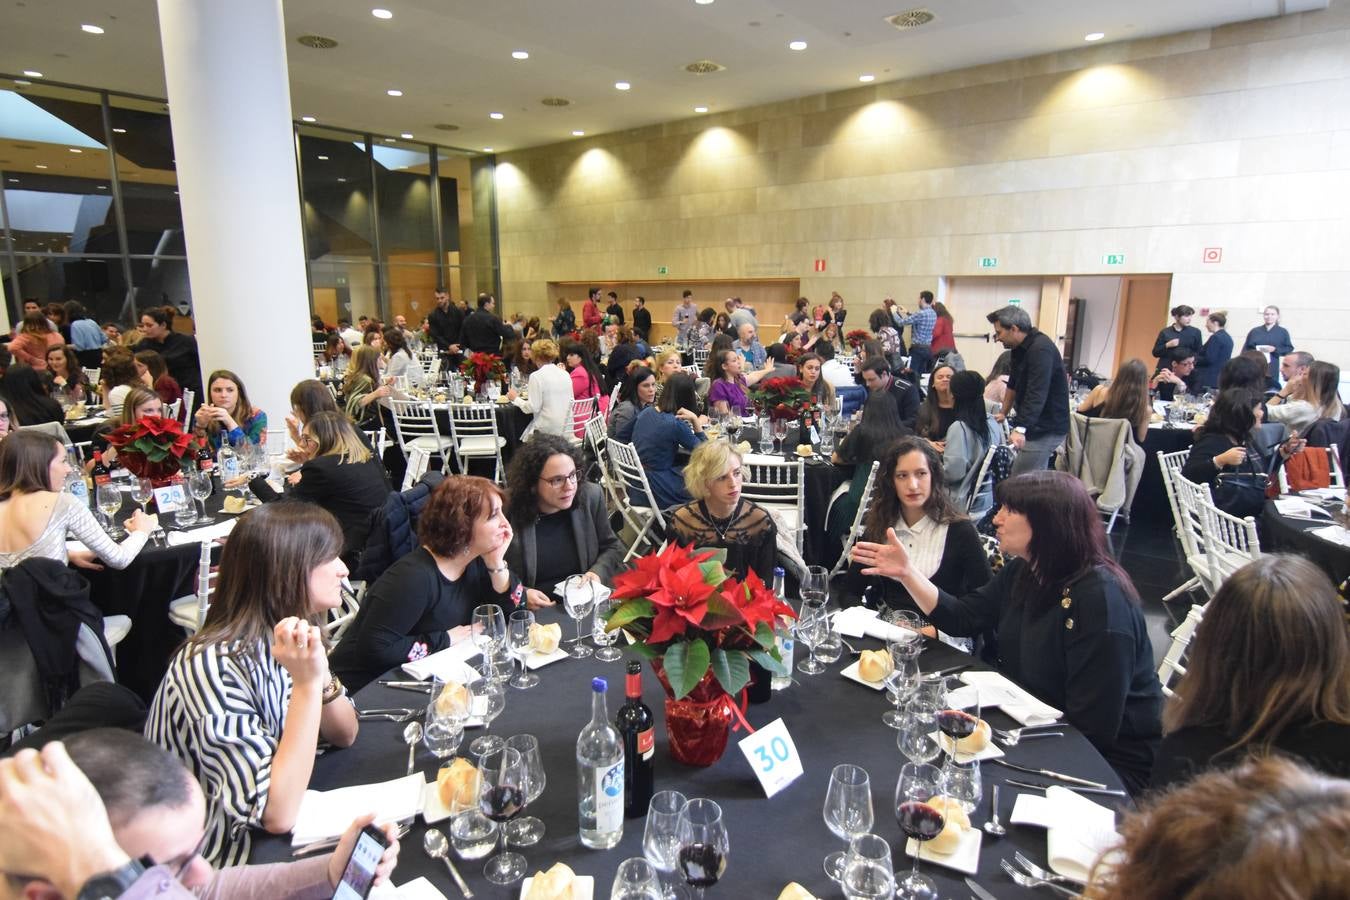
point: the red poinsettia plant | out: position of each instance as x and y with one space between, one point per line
857 337
154 447
682 608
782 398
483 367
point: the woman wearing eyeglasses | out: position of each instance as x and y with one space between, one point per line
553 509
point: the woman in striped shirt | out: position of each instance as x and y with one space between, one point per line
247 699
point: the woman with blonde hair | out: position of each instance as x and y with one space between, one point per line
719 517
1307 398
363 387
35 336
550 392
668 362
1126 397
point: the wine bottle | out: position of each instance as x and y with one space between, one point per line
599 776
204 461
100 472
782 634
637 727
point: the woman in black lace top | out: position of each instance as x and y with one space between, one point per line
719 517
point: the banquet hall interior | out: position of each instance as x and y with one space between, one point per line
432 269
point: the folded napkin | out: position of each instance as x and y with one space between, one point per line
854 621
592 591
1078 831
1334 533
1297 507
326 814
208 533
417 889
1326 493
995 690
450 664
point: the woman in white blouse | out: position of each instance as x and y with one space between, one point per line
550 392
400 361
246 701
36 515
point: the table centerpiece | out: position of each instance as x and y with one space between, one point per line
154 447
482 368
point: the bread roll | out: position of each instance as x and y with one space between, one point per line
805 450
976 741
555 884
957 824
458 785
795 891
875 665
743 447
951 810
234 504
545 638
453 700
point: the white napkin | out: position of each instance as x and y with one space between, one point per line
584 589
1326 493
326 814
1078 831
1297 507
450 664
995 690
417 889
208 533
1334 533
854 621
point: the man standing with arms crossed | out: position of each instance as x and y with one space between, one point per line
1037 386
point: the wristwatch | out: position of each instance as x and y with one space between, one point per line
110 885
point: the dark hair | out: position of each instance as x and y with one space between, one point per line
885 509
941 309
968 403
447 521
1127 396
687 293
776 352
1002 366
312 396
1219 318
613 295
678 393
129 773
1232 415
879 426
394 341
707 314
593 292
243 410
25 462
720 343
877 320
1067 536
926 296
25 390
628 389
35 323
484 299
930 417
119 367
876 365
570 347
720 366
1182 310
75 311
1009 317
1243 372
522 475
1179 354
154 362
74 371
823 349
162 315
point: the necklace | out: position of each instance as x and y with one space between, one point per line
720 528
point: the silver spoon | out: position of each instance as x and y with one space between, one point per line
412 733
994 827
434 843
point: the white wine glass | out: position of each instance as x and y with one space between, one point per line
605 640
143 491
578 599
847 812
780 432
109 499
812 623
201 487
527 831
489 703
518 640
661 839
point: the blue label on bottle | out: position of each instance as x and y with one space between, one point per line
612 783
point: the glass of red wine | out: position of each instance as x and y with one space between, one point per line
702 835
958 719
918 784
504 785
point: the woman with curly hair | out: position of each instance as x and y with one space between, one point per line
424 602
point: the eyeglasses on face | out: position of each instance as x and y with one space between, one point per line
558 481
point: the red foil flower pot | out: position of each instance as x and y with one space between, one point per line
697 726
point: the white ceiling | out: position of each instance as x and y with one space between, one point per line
452 58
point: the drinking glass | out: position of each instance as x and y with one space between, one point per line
909 642
443 727
958 718
848 811
812 623
504 783
704 844
199 483
816 583
917 785
916 736
578 598
635 880
661 839
732 426
109 499
901 681
605 640
143 491
494 390
780 430
489 703
527 831
765 435
518 639
868 874
488 632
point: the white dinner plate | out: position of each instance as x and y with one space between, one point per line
851 673
966 857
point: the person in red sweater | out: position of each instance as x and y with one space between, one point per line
590 310
943 339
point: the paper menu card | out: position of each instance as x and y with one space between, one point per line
1078 831
996 690
450 664
1334 533
326 814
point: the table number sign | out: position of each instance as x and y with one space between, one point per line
773 757
170 499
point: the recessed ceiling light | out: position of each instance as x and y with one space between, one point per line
487 149
394 92
342 179
22 81
407 135
496 116
322 158
381 14
704 2
867 79
1095 36
622 85
700 109
520 54
119 131
91 29
74 149
308 119
388 140
796 45
32 73
14 181
578 134
102 187
39 166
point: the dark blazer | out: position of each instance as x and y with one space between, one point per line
350 491
1278 337
1188 338
1217 351
483 332
1191 751
964 568
595 539
1041 390
642 322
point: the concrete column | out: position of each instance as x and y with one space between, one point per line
230 109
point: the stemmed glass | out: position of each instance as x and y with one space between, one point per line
199 483
443 727
488 632
919 721
812 623
635 880
816 584
578 598
109 499
847 812
143 491
518 640
504 783
732 426
661 839
489 703
780 430
605 640
918 784
867 869
704 844
903 678
959 718
527 831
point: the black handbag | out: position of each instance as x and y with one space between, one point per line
1242 494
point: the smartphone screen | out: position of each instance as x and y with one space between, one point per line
359 876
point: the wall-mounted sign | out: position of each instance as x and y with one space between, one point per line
1113 259
820 265
988 262
663 270
1212 255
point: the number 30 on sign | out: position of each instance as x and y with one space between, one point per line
772 756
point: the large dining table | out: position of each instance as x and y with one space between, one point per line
772 841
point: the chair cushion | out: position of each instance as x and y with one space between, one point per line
430 444
115 628
480 445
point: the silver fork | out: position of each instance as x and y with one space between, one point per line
1026 880
1013 737
1044 874
1016 733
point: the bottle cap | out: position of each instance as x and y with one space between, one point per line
778 570
598 685
634 667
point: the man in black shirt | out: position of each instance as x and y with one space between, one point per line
483 331
445 323
1037 387
1176 374
614 309
642 319
179 350
876 376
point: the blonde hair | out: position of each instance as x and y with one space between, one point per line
661 361
334 435
708 461
544 351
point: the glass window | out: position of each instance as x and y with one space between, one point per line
343 288
162 281
411 290
148 177
403 175
96 282
335 172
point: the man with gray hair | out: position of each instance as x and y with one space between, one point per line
1037 387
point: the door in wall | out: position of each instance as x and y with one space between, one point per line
1144 300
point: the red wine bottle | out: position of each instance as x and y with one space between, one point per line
204 461
637 728
100 473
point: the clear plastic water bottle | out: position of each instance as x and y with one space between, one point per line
600 776
227 462
75 484
782 637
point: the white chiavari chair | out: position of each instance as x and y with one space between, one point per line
637 496
473 435
779 485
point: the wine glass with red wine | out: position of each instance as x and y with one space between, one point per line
958 719
702 836
918 784
504 784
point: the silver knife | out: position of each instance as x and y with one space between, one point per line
1070 787
1072 779
979 891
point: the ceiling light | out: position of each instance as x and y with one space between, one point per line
91 29
388 140
622 85
487 149
496 116
407 135
308 119
520 54
14 181
796 45
39 166
394 92
102 187
322 158
74 149
381 14
32 73
704 2
342 179
700 109
578 134
119 131
22 81
1095 36
867 79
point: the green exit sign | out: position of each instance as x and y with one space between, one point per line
988 262
663 270
1113 259
1015 301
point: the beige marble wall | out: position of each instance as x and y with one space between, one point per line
1235 137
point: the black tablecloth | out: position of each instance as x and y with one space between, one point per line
511 424
1289 535
1150 500
772 841
83 431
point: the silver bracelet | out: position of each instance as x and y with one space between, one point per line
504 568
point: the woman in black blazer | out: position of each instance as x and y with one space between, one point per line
1069 626
340 474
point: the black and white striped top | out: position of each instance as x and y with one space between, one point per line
223 716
